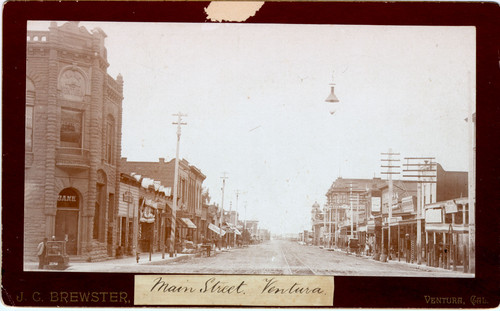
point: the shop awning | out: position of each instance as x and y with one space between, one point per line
151 203
446 228
215 229
232 228
189 223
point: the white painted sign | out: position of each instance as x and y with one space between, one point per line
376 204
433 215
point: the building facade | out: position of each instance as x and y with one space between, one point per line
128 214
73 141
348 213
189 189
433 210
317 222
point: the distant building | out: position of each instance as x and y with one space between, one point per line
349 202
264 235
73 141
252 226
317 224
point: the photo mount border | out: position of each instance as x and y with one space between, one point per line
350 292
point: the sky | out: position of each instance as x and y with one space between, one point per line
254 95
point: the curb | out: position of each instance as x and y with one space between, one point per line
419 267
167 260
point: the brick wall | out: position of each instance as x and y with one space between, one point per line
68 69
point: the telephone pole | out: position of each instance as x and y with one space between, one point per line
352 212
425 170
245 223
224 177
229 242
472 174
179 123
390 167
238 192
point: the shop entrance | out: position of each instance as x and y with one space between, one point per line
66 228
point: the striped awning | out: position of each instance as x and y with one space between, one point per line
232 228
188 223
216 229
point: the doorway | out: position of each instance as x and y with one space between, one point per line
66 227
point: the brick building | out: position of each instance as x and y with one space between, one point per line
73 141
344 194
189 188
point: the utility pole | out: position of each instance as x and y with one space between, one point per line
236 215
390 172
224 177
230 213
336 223
324 226
245 223
472 175
179 123
357 215
329 226
351 209
425 170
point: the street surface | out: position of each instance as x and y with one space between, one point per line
270 257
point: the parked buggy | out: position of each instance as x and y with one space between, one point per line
56 254
354 246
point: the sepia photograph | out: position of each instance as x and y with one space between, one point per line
250 154
250 149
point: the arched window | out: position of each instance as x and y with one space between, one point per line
30 107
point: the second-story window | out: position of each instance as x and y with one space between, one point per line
30 107
110 135
71 128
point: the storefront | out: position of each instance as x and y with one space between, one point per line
128 213
447 234
147 223
67 219
216 232
233 233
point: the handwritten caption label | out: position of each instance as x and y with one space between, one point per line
237 290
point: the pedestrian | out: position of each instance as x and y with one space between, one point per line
207 245
42 253
408 247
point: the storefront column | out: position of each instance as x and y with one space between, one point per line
446 252
427 247
162 234
434 249
399 242
382 244
443 253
